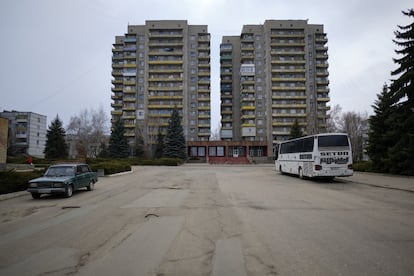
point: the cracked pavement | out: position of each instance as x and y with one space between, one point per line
211 220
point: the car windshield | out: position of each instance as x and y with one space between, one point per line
60 171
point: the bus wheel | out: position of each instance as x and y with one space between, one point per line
280 169
300 173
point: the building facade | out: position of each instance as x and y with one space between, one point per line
27 133
271 76
4 131
158 67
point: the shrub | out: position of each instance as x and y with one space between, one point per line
13 181
111 167
362 166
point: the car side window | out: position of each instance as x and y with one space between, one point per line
78 169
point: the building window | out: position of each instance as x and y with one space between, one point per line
212 151
201 151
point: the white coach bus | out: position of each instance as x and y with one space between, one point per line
321 155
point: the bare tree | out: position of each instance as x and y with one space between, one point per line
215 134
334 119
88 129
355 124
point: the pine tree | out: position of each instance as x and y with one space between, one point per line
296 131
174 140
380 130
402 94
159 151
56 146
118 144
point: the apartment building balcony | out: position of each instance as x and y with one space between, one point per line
165 43
287 35
248 107
129 83
130 65
226 57
321 65
167 88
165 34
203 73
205 107
296 88
289 115
226 112
204 116
322 82
248 99
278 61
116 97
116 112
322 90
247 117
289 106
281 133
117 73
165 97
118 65
130 55
116 105
289 97
203 134
129 125
204 48
116 89
117 81
324 108
129 74
165 62
128 117
204 99
289 79
322 56
203 64
288 70
165 53
129 99
287 44
166 79
164 106
323 99
129 91
322 73
228 103
128 108
129 134
288 53
165 70
132 48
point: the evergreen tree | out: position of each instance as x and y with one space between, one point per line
56 146
103 151
402 94
296 131
174 140
380 129
118 144
159 151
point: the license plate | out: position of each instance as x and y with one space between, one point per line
334 168
46 191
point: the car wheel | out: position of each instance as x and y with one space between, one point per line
90 187
36 195
69 191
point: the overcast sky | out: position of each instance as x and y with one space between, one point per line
56 55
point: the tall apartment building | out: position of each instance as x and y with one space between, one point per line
27 132
271 76
158 67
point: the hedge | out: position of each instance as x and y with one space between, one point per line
13 181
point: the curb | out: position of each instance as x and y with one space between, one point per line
13 195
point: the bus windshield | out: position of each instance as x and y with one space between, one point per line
333 141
